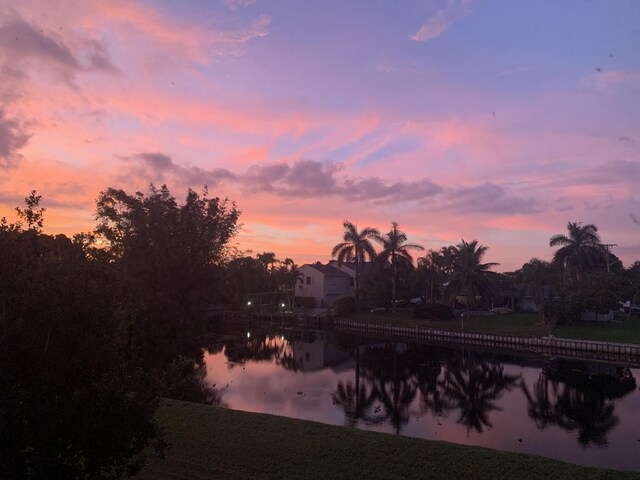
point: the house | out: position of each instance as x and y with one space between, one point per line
324 283
527 302
350 267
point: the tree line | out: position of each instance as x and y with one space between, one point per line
94 329
583 274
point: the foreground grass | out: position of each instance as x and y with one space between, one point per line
518 324
210 442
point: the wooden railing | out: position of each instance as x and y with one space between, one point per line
550 345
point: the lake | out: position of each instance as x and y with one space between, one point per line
580 412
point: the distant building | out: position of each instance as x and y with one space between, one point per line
324 283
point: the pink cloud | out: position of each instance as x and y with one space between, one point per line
444 17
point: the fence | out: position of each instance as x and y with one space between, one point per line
583 349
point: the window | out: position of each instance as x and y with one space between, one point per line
308 280
351 282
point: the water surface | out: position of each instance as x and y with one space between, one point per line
579 412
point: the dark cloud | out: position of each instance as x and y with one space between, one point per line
615 171
624 138
487 198
99 59
157 161
310 178
156 167
13 137
316 179
376 189
22 44
24 41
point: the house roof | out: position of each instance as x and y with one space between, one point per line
363 267
327 270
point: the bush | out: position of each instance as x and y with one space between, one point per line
435 311
305 302
344 305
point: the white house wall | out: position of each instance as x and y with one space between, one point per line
312 283
335 287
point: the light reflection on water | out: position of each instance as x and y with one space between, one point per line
579 412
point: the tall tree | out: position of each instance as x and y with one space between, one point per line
356 247
395 248
580 250
166 254
70 405
538 275
470 277
267 259
432 266
32 214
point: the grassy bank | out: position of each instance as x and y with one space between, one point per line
210 442
519 324
626 331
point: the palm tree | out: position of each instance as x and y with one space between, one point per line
432 265
538 274
580 250
287 275
470 277
267 259
394 248
356 247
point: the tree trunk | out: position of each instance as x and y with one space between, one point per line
393 282
432 302
356 284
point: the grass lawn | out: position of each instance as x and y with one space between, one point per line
211 442
520 324
626 331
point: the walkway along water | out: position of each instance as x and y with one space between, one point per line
552 346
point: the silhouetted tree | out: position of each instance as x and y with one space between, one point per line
470 277
356 247
580 250
70 406
395 249
165 255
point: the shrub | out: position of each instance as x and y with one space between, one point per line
344 305
305 302
435 311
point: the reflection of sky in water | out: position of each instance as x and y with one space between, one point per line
319 366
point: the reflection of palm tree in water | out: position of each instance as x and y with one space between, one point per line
474 387
396 392
432 392
355 401
541 408
286 359
262 348
576 401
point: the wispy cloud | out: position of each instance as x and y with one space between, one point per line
514 71
312 179
452 11
13 137
25 47
610 81
235 4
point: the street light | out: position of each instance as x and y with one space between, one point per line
249 303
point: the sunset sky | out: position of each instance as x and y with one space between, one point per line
488 119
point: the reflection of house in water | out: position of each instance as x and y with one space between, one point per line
313 351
